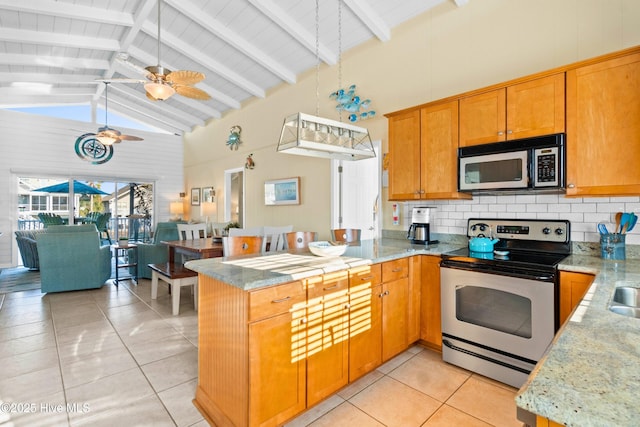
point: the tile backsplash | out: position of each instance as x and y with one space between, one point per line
450 216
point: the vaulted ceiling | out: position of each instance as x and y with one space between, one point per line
56 52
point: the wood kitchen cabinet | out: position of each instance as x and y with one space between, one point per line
423 153
365 320
259 377
430 319
531 108
603 127
573 287
395 300
327 335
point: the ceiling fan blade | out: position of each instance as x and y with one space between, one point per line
121 80
130 138
185 77
108 132
192 92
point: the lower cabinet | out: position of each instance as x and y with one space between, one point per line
365 320
327 335
430 318
573 286
395 303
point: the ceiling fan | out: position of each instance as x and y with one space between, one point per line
161 82
107 135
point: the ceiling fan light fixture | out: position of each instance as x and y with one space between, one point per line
106 140
159 91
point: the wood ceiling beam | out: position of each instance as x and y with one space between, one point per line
305 37
47 38
80 79
233 38
69 10
68 62
370 18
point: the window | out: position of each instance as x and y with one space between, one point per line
60 203
38 203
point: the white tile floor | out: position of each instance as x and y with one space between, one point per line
110 355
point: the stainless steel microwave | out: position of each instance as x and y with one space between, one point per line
524 164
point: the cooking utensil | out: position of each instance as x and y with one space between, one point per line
482 244
632 221
624 222
618 219
602 229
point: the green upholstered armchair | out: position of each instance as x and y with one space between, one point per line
71 258
26 240
156 252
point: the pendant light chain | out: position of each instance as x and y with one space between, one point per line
339 52
317 57
106 103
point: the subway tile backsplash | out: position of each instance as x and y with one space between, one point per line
450 216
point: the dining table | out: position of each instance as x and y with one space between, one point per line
194 248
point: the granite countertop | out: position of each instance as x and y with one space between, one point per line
253 272
590 375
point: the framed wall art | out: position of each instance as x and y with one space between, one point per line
195 196
282 191
208 194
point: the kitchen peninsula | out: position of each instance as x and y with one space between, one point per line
588 375
279 333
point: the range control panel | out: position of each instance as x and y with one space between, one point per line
557 231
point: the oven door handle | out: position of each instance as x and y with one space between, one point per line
483 268
483 357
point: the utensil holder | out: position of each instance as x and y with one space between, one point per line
612 246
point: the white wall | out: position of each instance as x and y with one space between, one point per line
441 53
36 145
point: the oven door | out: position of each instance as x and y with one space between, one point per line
507 314
494 171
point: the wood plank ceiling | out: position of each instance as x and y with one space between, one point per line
53 52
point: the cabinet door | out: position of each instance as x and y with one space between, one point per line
404 156
394 317
603 129
327 335
430 319
277 369
439 151
483 118
536 107
573 286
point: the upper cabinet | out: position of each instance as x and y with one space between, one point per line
523 110
423 156
603 128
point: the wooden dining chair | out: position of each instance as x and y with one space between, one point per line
242 245
192 231
346 235
300 239
250 231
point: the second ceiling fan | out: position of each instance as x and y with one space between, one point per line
163 83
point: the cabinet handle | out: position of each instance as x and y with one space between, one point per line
347 306
276 301
571 185
396 270
381 295
328 288
509 131
366 278
500 133
303 320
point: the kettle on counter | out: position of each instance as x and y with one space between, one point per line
481 243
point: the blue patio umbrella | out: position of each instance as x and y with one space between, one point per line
78 188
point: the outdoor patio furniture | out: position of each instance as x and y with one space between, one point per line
26 240
48 219
71 258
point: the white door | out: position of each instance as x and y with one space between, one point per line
355 195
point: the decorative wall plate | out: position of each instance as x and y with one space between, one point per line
90 149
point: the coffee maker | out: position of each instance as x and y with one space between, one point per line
419 229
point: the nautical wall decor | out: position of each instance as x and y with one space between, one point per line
234 137
90 149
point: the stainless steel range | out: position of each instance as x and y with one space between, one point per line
500 307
